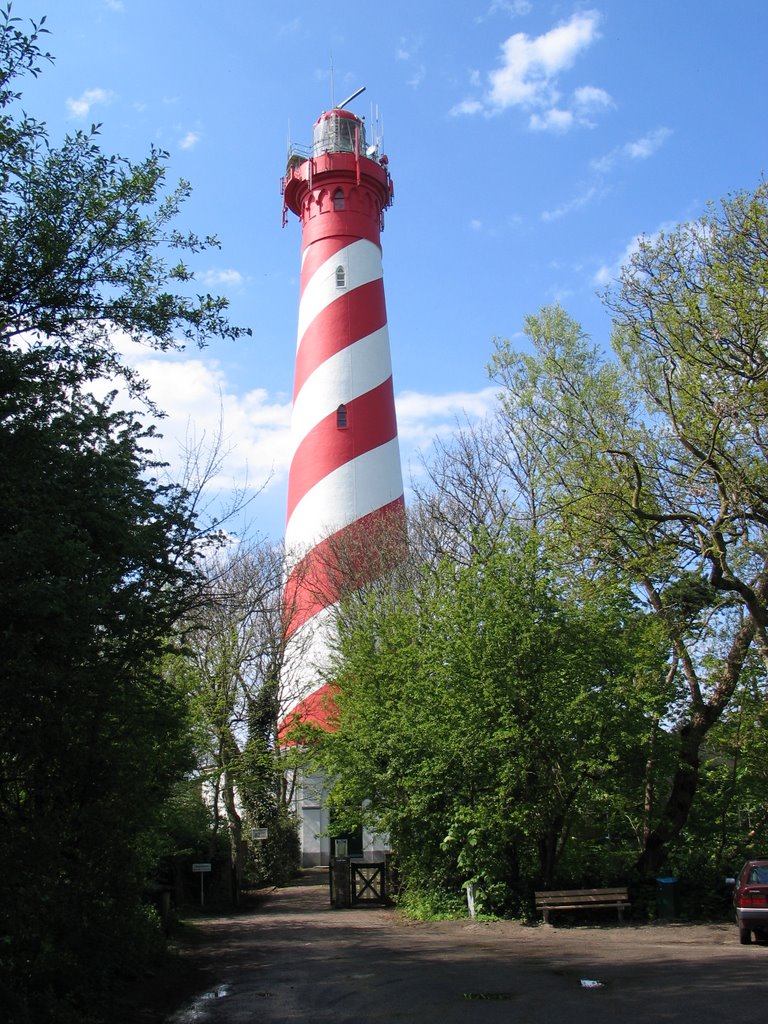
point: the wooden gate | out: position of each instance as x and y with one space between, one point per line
368 882
359 881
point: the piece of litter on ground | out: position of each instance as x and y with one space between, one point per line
589 983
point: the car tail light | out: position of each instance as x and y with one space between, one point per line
752 898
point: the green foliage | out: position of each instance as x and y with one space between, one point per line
98 559
729 822
87 243
479 716
91 737
652 471
276 860
432 905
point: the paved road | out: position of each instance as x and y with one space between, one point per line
296 959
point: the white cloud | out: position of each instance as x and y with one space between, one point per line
290 28
514 8
586 101
605 164
610 272
213 278
639 149
407 51
407 48
466 107
553 120
529 77
202 405
422 417
589 98
418 75
189 140
574 204
81 107
531 66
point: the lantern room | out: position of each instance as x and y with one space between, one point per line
338 131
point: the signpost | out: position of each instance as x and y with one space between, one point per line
259 834
202 870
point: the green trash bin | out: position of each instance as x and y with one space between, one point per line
666 897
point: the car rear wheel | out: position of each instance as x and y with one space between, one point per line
745 935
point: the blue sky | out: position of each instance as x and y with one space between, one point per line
531 143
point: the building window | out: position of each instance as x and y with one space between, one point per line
341 277
341 417
338 199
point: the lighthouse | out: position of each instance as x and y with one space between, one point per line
345 515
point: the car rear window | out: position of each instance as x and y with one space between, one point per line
759 875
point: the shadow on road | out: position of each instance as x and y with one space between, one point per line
293 958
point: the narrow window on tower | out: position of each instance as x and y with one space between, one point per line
338 199
341 277
341 417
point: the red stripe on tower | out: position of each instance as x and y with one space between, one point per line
345 520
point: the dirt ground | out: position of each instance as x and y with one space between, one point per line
289 957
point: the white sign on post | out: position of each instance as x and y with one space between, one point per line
201 869
258 834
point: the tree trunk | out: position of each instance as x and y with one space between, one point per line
235 836
684 785
692 736
650 772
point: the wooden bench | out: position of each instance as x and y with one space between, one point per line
582 899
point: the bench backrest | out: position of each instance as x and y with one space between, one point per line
586 896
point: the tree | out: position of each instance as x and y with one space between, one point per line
465 492
231 665
654 468
97 567
691 319
99 560
87 240
478 714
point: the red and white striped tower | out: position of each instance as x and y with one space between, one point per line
345 489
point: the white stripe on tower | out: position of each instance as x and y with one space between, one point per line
345 483
362 263
316 400
347 494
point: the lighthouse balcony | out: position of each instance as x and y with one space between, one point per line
310 169
335 131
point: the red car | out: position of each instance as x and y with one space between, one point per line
750 900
